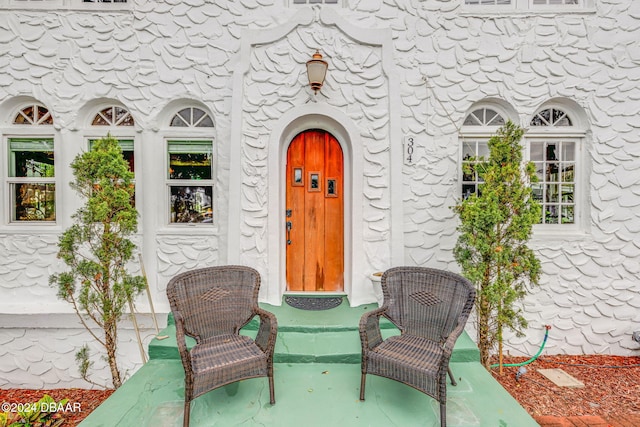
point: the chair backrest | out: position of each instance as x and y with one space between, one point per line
427 302
214 300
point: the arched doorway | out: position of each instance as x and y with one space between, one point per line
315 213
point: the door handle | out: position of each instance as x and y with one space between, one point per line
289 226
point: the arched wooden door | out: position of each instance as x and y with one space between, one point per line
315 213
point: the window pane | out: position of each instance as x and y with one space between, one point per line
205 122
568 151
552 193
551 214
468 190
483 149
190 204
535 153
567 193
468 150
536 189
34 202
567 215
567 172
31 158
190 159
123 118
472 120
552 172
25 117
178 121
551 153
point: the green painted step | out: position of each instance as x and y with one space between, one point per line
328 336
310 395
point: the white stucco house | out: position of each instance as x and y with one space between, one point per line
212 106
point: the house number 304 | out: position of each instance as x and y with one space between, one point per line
409 147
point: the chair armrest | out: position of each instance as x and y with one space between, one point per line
370 335
267 332
181 341
451 340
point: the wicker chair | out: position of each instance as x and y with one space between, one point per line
431 308
211 305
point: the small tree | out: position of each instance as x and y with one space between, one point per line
495 225
96 249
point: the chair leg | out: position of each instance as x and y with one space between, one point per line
453 381
443 415
363 381
187 412
272 394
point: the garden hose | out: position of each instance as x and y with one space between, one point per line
544 341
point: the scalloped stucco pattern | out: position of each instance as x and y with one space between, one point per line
42 358
25 265
445 60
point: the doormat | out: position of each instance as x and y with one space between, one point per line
313 303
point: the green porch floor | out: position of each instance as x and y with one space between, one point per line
316 384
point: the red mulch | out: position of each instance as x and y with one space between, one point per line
612 386
84 400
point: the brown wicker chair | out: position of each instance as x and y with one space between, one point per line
211 305
431 308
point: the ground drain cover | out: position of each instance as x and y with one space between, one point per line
561 378
313 303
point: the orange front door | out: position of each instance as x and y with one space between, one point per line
315 215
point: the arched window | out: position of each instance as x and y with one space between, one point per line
113 116
484 117
119 122
191 117
190 160
478 126
553 149
551 117
35 114
31 168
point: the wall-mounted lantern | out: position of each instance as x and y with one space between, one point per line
316 71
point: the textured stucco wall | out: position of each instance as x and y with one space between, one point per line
444 60
42 355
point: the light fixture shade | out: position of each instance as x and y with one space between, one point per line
316 71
